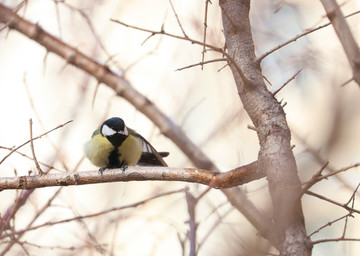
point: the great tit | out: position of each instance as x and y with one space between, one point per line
114 145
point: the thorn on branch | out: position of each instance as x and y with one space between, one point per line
35 32
347 82
251 127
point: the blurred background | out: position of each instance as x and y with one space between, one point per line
323 115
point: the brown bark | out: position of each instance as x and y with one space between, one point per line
345 36
236 177
275 155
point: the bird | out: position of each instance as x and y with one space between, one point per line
114 145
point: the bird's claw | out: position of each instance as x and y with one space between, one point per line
124 167
101 170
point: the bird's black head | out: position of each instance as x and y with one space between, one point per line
114 130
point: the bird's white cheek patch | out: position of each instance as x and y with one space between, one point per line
107 131
126 132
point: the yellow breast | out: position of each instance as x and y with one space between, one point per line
97 150
131 150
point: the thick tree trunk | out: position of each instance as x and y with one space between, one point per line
275 156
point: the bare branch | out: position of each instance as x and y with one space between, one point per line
38 137
327 225
38 214
318 177
229 179
288 81
191 204
201 63
11 211
33 150
266 113
162 32
205 29
346 207
336 240
346 38
315 178
92 215
308 31
28 157
193 41
177 19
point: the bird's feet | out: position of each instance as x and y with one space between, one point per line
124 167
102 169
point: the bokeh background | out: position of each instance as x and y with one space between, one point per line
323 115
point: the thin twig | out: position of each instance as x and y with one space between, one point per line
38 214
191 205
346 82
338 171
58 16
202 63
90 25
309 31
33 150
177 19
162 32
352 198
345 36
336 240
327 225
193 41
220 220
315 178
28 157
205 29
288 81
92 215
332 201
322 161
38 137
11 211
15 10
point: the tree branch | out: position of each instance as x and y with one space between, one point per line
91 215
346 38
228 179
275 155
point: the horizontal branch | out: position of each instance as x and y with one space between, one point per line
235 177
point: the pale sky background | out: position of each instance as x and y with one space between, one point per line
204 102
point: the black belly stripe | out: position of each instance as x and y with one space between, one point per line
116 140
114 158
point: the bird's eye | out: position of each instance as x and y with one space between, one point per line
107 131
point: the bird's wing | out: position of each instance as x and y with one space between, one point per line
149 154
